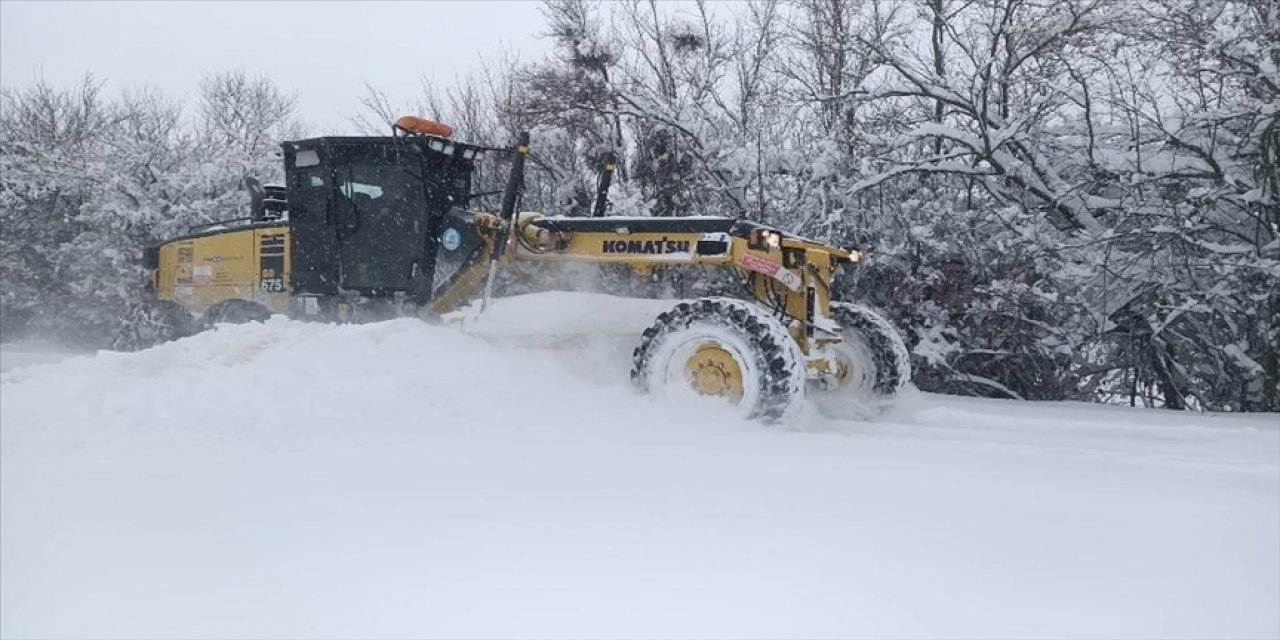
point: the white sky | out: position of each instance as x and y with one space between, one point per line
324 51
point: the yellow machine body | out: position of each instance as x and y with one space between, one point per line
249 263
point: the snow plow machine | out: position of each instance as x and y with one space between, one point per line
373 227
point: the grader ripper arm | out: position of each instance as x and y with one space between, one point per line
788 275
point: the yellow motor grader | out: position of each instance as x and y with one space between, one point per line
369 226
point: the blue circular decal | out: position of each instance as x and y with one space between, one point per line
451 239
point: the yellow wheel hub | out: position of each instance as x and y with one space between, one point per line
843 369
713 371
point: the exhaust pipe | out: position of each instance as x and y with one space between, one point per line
607 164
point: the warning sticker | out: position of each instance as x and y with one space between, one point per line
201 275
771 269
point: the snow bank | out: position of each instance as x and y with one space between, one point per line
561 314
403 480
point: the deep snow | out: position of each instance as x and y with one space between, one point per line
406 480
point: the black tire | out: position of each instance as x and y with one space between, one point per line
235 311
770 364
154 322
876 359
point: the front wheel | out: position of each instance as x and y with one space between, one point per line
725 348
873 360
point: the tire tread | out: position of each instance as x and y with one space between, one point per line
778 357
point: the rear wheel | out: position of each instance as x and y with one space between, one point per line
725 348
153 322
873 359
235 311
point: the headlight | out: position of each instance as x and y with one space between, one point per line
855 255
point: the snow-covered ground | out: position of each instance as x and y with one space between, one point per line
21 353
406 480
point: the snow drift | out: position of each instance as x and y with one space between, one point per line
399 479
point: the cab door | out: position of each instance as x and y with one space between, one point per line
313 238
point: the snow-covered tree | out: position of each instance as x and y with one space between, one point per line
86 182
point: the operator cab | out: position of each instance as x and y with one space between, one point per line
366 213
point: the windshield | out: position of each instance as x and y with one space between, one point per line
380 189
